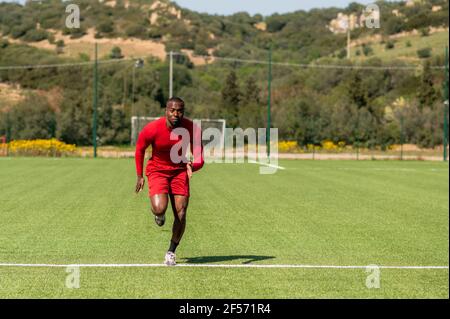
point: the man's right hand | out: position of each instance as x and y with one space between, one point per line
140 184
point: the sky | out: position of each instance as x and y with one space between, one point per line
264 7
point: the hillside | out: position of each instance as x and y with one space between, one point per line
309 105
163 25
403 47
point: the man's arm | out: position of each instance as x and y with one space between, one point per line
144 140
196 149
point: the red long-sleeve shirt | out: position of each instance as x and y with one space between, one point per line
158 134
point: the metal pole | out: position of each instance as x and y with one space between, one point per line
269 102
133 110
401 138
137 65
171 75
8 133
348 43
94 126
446 105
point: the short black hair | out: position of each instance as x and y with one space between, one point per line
175 100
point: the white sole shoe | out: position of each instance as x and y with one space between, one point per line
170 259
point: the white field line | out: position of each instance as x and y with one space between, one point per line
217 266
372 169
265 164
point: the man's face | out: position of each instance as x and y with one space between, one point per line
174 113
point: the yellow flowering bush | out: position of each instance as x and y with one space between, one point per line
287 146
3 149
48 148
312 147
329 146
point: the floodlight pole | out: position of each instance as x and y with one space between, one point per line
269 101
139 63
8 133
401 137
446 105
94 126
171 75
348 43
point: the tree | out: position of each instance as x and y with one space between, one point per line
250 113
426 93
231 97
251 92
75 119
356 92
32 118
276 23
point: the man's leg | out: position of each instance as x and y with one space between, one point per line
159 206
179 207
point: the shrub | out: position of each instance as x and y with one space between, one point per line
424 53
116 53
106 27
35 35
390 45
367 50
135 30
288 146
48 148
200 50
342 54
424 32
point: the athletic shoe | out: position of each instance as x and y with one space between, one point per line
160 221
170 259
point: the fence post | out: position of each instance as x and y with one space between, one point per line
446 105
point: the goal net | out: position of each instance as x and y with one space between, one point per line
138 123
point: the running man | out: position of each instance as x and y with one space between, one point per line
168 170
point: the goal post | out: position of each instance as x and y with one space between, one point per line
138 123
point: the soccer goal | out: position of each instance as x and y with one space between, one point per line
138 123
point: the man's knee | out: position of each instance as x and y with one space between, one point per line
159 209
181 214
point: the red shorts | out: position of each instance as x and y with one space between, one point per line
168 182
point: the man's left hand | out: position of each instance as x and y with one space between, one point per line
189 170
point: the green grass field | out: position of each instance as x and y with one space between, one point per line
72 211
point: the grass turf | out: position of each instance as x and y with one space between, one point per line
69 211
